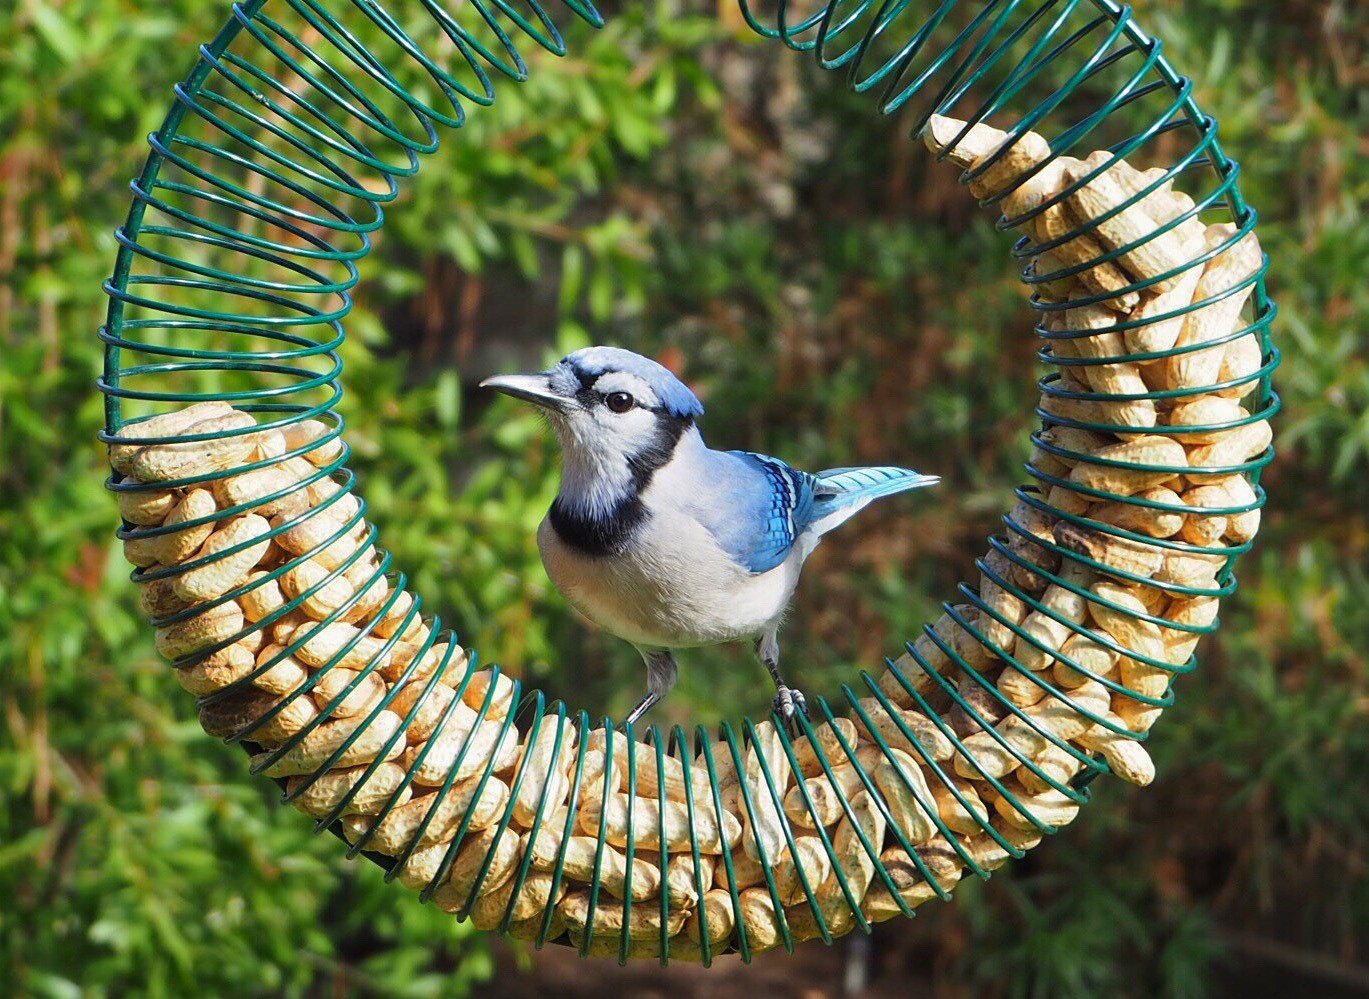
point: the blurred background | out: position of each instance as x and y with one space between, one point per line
657 189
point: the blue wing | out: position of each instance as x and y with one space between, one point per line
777 508
766 506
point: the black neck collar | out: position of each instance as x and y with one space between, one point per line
598 534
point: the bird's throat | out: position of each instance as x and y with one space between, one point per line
600 507
600 531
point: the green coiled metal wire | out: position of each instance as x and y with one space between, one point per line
294 130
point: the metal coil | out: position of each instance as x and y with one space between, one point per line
291 96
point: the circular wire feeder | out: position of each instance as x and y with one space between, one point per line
263 578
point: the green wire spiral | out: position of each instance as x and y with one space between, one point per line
265 108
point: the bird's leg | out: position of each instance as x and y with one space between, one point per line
788 701
661 673
647 702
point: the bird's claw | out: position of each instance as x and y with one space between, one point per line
789 704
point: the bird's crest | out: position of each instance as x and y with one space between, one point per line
672 396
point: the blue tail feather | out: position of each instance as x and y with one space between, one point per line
838 490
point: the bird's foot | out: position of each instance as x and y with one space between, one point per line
789 704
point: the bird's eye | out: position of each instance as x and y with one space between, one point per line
619 402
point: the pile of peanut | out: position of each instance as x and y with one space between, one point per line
274 605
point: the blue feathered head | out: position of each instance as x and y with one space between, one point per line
602 370
619 417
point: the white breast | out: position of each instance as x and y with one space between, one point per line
675 588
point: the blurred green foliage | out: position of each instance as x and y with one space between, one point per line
657 189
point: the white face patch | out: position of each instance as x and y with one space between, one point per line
600 445
622 381
625 433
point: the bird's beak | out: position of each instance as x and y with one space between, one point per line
534 388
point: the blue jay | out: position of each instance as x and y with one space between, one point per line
664 542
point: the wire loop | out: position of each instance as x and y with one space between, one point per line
234 277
